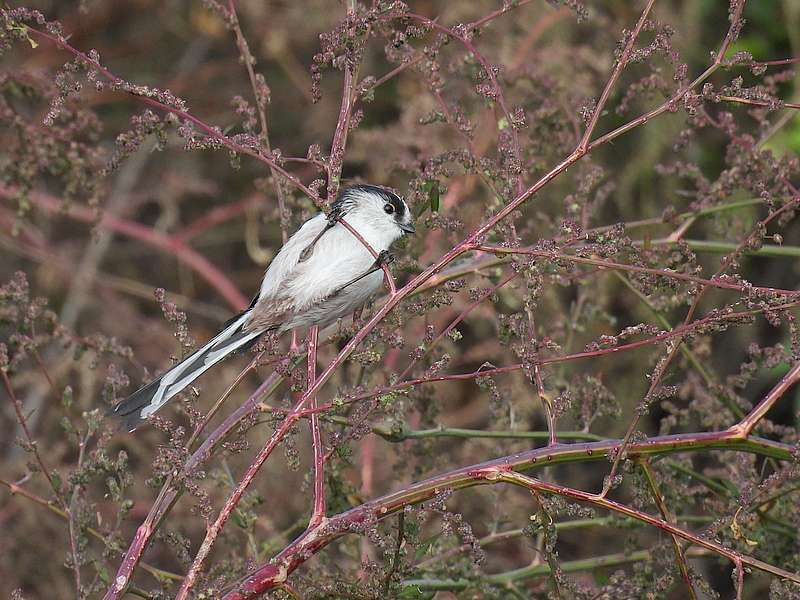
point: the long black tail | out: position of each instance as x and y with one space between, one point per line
135 409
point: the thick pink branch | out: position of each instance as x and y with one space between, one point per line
301 549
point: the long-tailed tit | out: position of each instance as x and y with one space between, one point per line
321 274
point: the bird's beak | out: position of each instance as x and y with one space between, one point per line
408 228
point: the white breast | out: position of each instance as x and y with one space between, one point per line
338 258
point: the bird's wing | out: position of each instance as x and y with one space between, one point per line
269 313
337 259
309 270
282 267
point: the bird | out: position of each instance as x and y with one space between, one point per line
322 273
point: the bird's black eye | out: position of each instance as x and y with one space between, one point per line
388 208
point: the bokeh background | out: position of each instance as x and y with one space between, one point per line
99 282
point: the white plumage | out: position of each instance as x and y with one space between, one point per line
321 274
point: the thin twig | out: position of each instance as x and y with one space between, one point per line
621 63
261 108
396 558
763 103
602 502
680 557
748 423
663 365
318 511
32 446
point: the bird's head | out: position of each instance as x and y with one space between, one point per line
377 208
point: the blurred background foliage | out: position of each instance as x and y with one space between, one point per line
100 284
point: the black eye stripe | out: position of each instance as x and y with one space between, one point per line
388 197
399 206
389 208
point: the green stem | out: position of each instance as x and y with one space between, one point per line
393 435
726 248
718 488
536 571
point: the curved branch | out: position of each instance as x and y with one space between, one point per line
313 540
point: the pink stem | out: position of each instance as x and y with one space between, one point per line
623 60
718 283
170 244
212 132
318 512
217 215
746 425
297 552
677 332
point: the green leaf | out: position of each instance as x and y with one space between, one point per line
66 397
433 196
413 591
425 547
238 519
102 573
433 191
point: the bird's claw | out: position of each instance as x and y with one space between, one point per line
384 258
335 215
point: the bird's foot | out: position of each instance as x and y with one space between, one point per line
335 215
384 258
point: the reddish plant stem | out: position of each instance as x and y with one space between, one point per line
750 102
23 423
470 142
301 549
169 494
214 529
637 269
210 131
621 62
507 6
215 216
489 69
780 61
394 72
746 425
671 103
739 568
170 244
336 159
662 366
218 404
460 317
602 502
677 332
468 244
318 511
249 60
